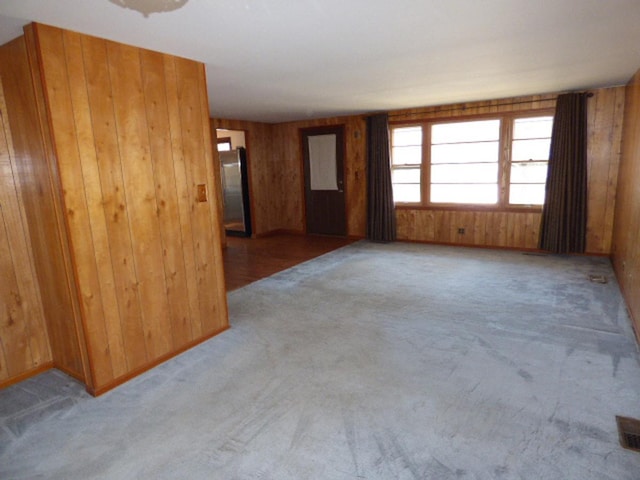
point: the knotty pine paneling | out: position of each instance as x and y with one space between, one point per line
24 343
17 65
461 110
132 143
482 228
518 229
626 247
605 116
263 173
289 184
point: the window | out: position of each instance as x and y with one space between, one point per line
224 144
406 153
496 161
529 160
464 162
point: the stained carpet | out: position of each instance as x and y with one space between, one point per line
371 362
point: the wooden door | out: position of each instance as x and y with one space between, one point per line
324 180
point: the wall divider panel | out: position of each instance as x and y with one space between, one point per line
24 344
35 185
126 149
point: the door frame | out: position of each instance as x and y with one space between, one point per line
322 130
247 148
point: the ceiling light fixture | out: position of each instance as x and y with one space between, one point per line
147 7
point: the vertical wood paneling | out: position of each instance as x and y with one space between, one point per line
19 68
105 198
47 227
93 181
626 247
184 198
131 134
604 129
166 194
76 210
288 198
137 174
482 228
220 320
194 151
23 331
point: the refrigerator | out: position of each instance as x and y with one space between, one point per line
235 192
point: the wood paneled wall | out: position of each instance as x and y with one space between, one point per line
43 215
626 247
518 229
482 228
604 130
282 181
263 173
289 179
132 143
24 343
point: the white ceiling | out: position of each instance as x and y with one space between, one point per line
279 60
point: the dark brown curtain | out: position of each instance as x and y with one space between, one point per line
564 215
381 217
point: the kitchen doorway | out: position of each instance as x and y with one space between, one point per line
234 175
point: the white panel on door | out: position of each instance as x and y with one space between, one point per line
322 162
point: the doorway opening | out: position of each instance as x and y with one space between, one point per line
234 175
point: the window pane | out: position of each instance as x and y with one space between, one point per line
534 172
446 193
406 192
526 194
482 130
533 127
468 173
406 136
530 149
465 152
406 155
405 175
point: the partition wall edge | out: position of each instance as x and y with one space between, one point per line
127 246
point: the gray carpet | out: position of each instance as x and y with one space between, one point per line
371 362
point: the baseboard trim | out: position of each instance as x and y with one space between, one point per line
501 247
635 325
78 376
25 375
96 392
279 231
470 245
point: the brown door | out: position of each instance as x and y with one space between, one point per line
324 180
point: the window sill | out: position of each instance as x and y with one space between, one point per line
470 208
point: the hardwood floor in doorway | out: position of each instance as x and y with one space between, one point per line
249 259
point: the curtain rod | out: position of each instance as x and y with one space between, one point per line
463 107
